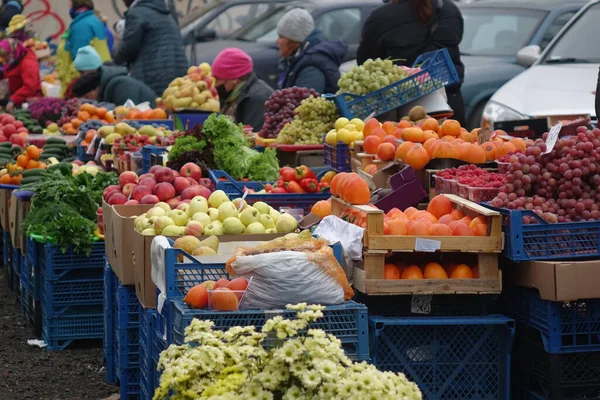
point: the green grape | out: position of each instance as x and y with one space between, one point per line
315 116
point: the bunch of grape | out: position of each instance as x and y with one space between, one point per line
561 186
280 109
69 111
315 117
371 76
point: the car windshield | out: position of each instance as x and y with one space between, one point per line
579 43
497 32
200 13
263 30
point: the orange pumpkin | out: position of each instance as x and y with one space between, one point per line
417 157
197 297
357 190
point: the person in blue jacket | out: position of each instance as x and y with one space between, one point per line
308 59
9 9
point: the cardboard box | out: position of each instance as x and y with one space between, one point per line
558 280
142 264
17 211
118 238
5 195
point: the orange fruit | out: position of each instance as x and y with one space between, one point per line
76 123
417 157
504 149
380 133
83 116
371 144
386 151
418 228
412 272
402 124
109 117
389 127
430 124
425 215
489 148
450 127
415 134
457 214
403 150
398 226
6 179
22 160
518 143
370 126
410 211
33 152
31 164
446 219
440 206
390 139
101 112
461 229
434 271
390 271
440 230
462 271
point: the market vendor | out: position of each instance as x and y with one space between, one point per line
9 9
85 29
87 60
22 70
308 59
241 93
112 84
402 30
17 28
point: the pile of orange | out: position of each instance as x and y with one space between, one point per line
29 159
157 113
431 270
440 219
417 145
87 112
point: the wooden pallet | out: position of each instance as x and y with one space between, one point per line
370 279
374 239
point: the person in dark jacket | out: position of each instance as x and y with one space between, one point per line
404 29
9 9
151 45
308 59
111 84
241 93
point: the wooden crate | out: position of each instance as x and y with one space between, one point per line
374 239
370 279
365 159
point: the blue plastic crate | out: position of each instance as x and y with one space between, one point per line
127 306
83 155
73 323
565 327
108 329
146 363
129 383
338 157
545 241
6 248
67 293
147 152
187 120
55 265
158 346
452 358
437 71
16 271
347 321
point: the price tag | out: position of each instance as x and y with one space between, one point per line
243 200
552 137
484 135
427 245
421 304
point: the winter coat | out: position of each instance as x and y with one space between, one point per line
315 66
24 79
9 10
393 31
151 45
116 87
85 29
251 103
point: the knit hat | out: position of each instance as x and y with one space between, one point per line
86 83
296 25
87 59
89 4
231 64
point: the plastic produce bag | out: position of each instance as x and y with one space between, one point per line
288 273
349 235
145 106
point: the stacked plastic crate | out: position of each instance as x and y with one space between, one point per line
30 300
72 293
15 260
146 363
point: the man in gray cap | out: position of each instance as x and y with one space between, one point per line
308 59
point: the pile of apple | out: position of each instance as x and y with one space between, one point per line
216 215
12 130
161 184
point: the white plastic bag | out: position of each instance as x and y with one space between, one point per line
145 106
334 230
286 277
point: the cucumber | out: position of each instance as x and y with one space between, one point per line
37 129
32 172
30 179
55 140
56 145
6 150
17 148
68 161
6 144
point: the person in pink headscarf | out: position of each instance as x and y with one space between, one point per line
22 69
241 93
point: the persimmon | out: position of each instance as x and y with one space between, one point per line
427 216
396 213
475 154
412 272
417 157
462 271
419 228
321 208
389 127
457 214
430 124
489 148
446 219
434 270
31 164
386 151
357 190
429 145
33 152
398 133
5 179
466 220
410 211
403 150
197 297
439 206
451 127
429 135
505 149
391 271
16 180
415 134
390 139
370 126
461 229
380 133
404 124
479 226
440 230
371 143
398 226
443 150
22 160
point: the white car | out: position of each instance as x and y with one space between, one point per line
561 80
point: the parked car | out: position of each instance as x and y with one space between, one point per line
494 32
561 80
221 18
337 19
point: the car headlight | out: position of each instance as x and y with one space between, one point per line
496 112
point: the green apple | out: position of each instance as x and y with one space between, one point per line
161 223
286 224
227 210
213 213
198 205
255 228
271 231
149 232
266 221
262 207
274 215
214 228
249 215
163 205
203 218
138 218
193 228
180 217
233 226
173 230
240 204
217 198
156 212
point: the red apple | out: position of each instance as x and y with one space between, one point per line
128 189
164 175
17 124
206 183
140 191
148 182
173 203
7 119
192 182
214 92
17 139
149 199
77 162
164 191
9 130
117 198
144 176
127 177
22 130
3 139
191 170
180 184
155 168
131 202
175 173
186 201
109 191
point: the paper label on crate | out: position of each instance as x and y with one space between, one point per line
421 304
552 137
427 245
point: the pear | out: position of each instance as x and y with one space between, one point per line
204 251
148 130
211 242
124 129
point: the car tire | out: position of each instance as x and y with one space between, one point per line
475 118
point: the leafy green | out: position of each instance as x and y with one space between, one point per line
186 144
